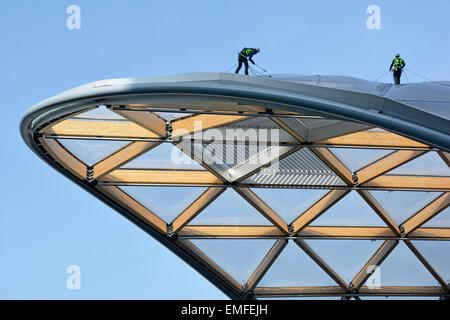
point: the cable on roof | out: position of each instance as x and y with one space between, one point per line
234 65
438 82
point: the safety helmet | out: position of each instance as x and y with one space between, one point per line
257 49
397 55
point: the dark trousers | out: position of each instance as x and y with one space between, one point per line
397 75
241 60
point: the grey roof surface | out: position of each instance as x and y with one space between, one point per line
431 97
418 111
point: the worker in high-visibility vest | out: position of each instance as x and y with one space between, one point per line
398 64
246 53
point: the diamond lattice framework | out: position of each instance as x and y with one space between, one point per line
268 188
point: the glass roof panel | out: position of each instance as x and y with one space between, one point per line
437 253
238 257
402 268
289 203
428 164
165 202
230 209
351 210
233 161
100 113
294 268
356 159
302 167
401 205
92 151
442 220
346 257
164 156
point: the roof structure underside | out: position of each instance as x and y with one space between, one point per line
264 201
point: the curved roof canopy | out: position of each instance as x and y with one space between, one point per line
288 186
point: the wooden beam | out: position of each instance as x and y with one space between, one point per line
317 209
378 257
263 208
445 156
299 291
373 139
427 265
425 214
213 267
379 210
402 291
386 164
161 177
334 164
106 129
202 122
196 207
124 155
321 263
131 205
430 233
311 232
338 291
147 120
409 182
268 260
64 158
65 118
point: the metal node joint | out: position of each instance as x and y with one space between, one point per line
170 233
402 231
90 174
291 231
355 179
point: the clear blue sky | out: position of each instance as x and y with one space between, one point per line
47 223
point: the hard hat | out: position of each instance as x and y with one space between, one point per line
397 55
257 50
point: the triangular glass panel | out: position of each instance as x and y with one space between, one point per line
294 268
230 209
437 253
100 113
356 159
402 268
345 257
351 210
302 168
289 203
238 257
164 156
92 151
401 205
166 202
441 220
430 164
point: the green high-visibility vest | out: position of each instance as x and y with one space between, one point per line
398 63
245 53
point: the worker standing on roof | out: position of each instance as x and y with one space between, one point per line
246 53
398 64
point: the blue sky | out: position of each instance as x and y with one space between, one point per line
47 223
